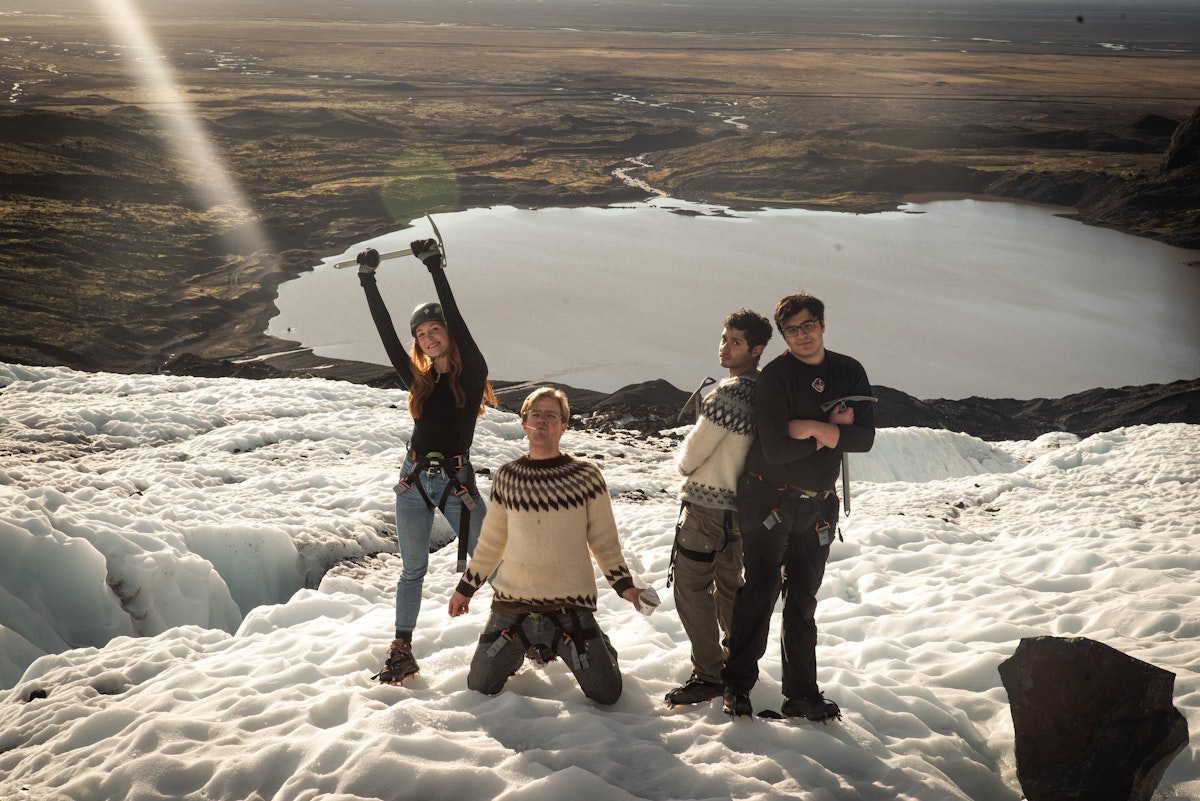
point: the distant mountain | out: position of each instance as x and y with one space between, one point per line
656 405
653 406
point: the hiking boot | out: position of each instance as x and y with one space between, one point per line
400 665
813 707
695 691
737 704
540 655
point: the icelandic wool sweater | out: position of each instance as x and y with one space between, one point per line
715 450
546 520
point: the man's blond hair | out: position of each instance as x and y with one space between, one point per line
542 392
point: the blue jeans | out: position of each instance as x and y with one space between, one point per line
414 526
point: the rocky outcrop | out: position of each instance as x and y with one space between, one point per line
1082 413
1166 203
653 406
1184 150
1090 722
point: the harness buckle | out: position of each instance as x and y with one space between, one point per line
502 639
579 657
463 493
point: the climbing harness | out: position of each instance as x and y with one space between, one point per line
793 499
571 638
436 464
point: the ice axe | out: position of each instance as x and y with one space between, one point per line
692 399
841 404
395 254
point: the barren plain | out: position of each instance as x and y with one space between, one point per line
162 170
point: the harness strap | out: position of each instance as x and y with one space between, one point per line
697 556
464 526
793 497
812 495
437 464
439 460
675 544
501 638
572 638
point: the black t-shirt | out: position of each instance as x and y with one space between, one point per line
443 427
788 389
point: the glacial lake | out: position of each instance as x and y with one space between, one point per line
939 299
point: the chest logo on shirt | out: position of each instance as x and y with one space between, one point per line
818 384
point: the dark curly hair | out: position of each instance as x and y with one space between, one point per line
756 327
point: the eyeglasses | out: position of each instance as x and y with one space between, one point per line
806 327
546 417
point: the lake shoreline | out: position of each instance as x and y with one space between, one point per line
113 261
946 299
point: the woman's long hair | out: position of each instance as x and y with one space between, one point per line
424 378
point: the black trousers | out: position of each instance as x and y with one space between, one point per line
783 555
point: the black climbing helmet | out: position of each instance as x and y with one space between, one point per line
425 313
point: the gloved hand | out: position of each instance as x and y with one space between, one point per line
368 260
428 251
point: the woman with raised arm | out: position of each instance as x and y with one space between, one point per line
446 378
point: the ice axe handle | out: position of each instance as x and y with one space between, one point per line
846 483
708 380
395 254
841 404
392 254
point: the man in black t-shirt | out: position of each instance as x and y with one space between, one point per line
787 509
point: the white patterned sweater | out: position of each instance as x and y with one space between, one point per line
546 521
715 450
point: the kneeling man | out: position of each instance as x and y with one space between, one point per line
549 515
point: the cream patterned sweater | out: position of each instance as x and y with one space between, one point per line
715 450
546 521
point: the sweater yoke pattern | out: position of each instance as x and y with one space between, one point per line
522 486
732 407
556 513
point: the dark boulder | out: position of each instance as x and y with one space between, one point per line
1090 722
647 407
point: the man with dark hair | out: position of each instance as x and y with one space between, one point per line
706 561
550 515
787 508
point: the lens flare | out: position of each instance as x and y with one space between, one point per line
418 183
200 165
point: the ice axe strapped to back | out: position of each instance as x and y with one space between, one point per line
395 254
692 403
841 404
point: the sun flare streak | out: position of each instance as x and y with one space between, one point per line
202 167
